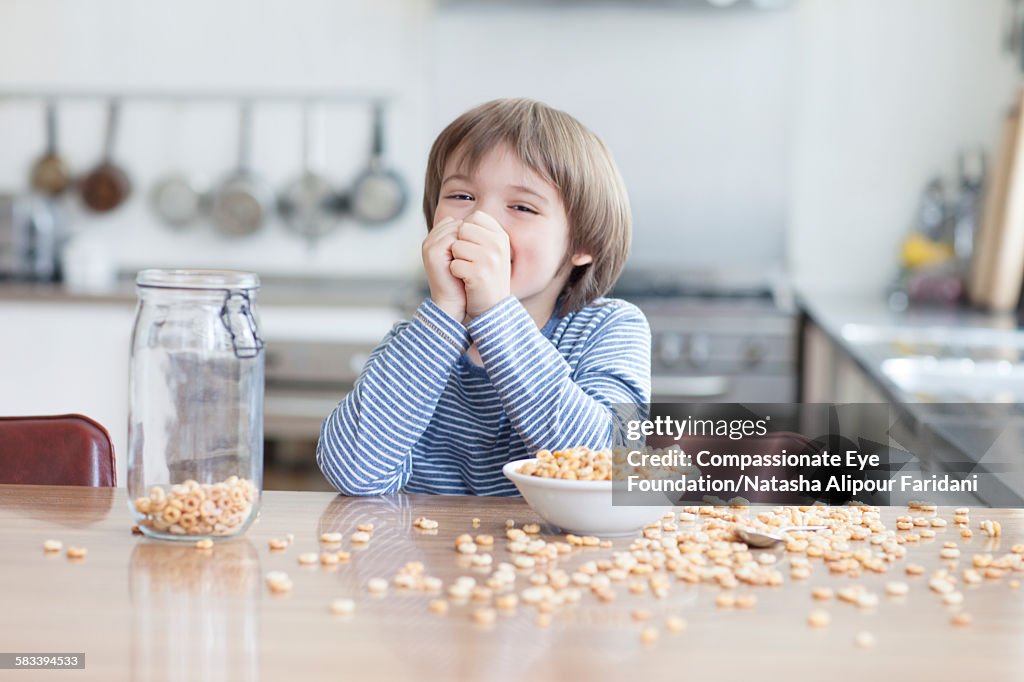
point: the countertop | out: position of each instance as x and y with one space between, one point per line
353 310
976 423
144 610
383 292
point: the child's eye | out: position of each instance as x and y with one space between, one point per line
460 196
522 208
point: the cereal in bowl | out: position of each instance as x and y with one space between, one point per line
573 464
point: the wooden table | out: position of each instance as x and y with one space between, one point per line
146 610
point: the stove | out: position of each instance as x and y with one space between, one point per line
717 337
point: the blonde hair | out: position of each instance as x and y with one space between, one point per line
569 156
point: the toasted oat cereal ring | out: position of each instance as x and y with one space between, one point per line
188 521
192 503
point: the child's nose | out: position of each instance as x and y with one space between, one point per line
490 206
486 215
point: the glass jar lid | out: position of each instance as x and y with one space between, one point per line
198 279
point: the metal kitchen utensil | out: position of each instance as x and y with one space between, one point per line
758 539
174 197
305 203
176 200
378 194
1018 36
933 217
967 206
243 199
50 173
1011 29
107 186
30 238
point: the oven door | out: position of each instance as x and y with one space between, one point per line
728 351
305 381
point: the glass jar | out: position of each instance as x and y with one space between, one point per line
195 425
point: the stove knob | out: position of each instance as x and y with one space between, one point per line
698 351
753 353
670 349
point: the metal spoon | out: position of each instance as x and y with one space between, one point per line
755 538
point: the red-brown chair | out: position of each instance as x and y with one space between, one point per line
62 449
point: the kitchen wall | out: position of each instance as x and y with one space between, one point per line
819 122
888 91
228 45
696 105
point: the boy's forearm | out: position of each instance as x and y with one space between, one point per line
366 442
547 407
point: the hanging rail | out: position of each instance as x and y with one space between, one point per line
305 97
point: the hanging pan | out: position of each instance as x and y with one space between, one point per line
305 203
107 186
243 200
379 194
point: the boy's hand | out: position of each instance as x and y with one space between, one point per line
482 261
446 290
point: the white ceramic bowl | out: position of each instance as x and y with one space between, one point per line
580 507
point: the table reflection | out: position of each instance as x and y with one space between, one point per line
195 613
50 504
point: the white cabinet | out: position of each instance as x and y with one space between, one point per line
60 358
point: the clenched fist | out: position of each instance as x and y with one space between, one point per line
446 290
481 260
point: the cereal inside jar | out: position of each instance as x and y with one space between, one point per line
192 509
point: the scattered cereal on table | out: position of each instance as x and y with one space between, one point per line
818 618
342 607
864 640
675 624
961 619
484 616
279 582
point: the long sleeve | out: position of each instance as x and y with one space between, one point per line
552 405
366 442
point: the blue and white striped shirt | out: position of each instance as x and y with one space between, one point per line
423 417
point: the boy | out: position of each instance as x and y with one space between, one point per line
515 350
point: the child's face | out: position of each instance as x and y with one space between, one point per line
528 207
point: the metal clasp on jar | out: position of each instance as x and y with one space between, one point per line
249 347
